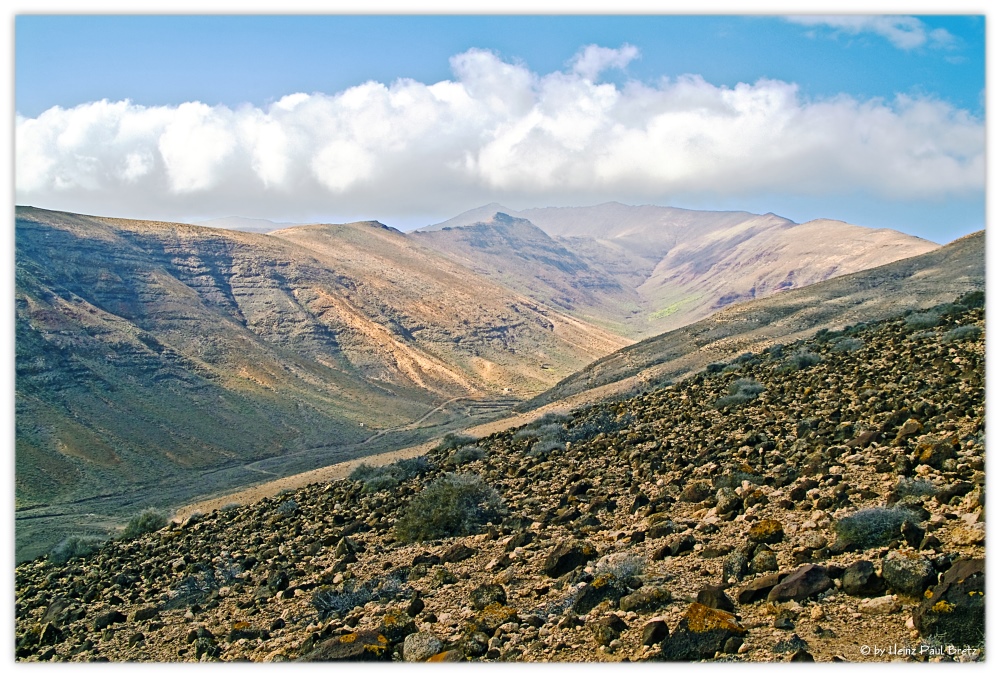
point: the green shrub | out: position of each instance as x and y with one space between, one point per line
379 477
467 455
288 507
871 527
964 333
974 299
455 441
740 391
915 487
922 320
74 546
847 344
145 522
452 505
542 448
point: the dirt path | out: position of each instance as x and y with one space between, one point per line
341 470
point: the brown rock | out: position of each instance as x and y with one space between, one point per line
807 581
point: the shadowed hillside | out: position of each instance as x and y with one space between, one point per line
150 353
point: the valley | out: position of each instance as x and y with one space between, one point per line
159 364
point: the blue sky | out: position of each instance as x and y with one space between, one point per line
874 120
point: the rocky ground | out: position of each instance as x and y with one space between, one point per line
819 501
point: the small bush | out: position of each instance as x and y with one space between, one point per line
620 566
379 477
551 418
714 367
330 601
965 333
740 391
871 527
452 505
205 578
974 299
467 455
455 441
288 507
525 434
847 344
145 522
922 320
74 546
542 448
804 359
915 487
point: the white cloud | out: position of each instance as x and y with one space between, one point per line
904 32
497 131
592 60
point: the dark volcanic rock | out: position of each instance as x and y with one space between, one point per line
956 609
607 629
700 634
646 598
367 645
909 573
488 594
654 632
567 556
674 546
457 553
758 588
805 582
860 580
714 597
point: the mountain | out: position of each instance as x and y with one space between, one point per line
920 281
151 355
643 270
245 224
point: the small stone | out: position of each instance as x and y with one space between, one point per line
714 597
879 606
654 632
766 531
420 646
485 595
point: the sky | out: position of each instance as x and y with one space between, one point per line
877 120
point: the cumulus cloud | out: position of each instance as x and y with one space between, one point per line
496 131
904 32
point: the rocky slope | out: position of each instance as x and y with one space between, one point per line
822 501
150 355
644 270
877 293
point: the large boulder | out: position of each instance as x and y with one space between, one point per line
807 581
956 609
367 645
701 633
908 573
